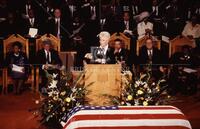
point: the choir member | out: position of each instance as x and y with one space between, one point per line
31 22
128 25
26 7
144 28
55 24
136 7
192 29
89 10
59 27
10 25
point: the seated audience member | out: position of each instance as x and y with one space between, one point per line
156 10
192 29
120 54
179 79
48 60
136 7
10 25
144 28
153 57
60 27
196 53
103 54
128 24
18 65
26 7
55 24
30 22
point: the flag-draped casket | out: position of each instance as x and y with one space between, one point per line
125 117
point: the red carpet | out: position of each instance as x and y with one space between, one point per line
14 111
15 114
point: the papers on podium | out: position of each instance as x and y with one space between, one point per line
16 68
33 32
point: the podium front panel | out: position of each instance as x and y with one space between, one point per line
106 81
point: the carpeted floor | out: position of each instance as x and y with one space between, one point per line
15 114
15 111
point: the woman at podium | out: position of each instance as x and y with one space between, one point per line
104 53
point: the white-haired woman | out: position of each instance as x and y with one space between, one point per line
102 54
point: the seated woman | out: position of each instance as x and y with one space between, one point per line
18 65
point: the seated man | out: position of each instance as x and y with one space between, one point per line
128 24
120 54
18 65
48 59
151 56
192 29
103 54
144 28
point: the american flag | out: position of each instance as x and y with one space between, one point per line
125 117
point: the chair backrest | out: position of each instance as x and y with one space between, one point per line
177 43
125 40
141 42
54 40
7 44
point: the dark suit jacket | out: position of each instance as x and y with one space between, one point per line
132 25
157 57
41 57
85 12
51 27
109 56
123 55
28 25
157 61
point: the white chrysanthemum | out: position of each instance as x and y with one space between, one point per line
55 75
53 84
137 83
145 85
50 93
74 89
149 90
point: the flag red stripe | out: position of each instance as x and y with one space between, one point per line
124 116
138 127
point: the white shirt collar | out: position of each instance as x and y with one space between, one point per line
57 19
16 54
46 52
150 50
105 49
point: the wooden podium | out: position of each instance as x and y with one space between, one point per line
106 80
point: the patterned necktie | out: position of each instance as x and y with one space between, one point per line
32 22
102 51
150 55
